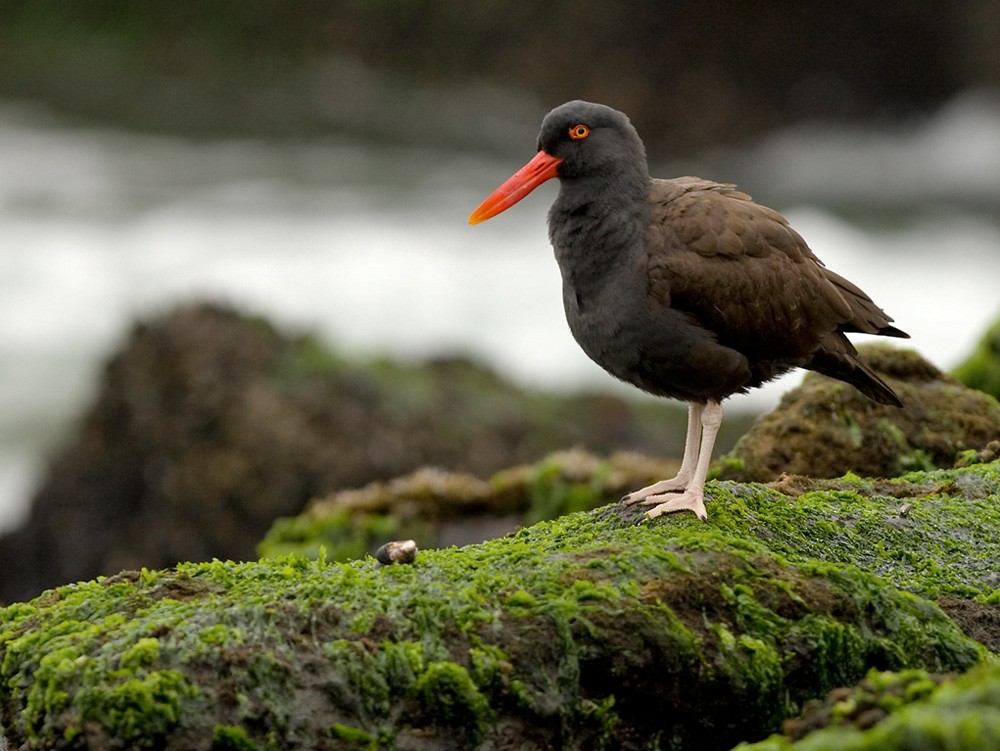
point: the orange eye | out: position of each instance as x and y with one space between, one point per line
579 132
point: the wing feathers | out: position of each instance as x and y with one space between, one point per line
742 271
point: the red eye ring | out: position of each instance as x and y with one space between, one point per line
579 132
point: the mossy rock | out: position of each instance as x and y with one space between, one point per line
864 705
824 428
590 631
982 369
438 508
906 529
902 712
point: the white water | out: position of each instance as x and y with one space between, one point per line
369 247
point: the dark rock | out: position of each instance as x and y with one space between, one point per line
978 620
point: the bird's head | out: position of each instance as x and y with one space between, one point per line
577 140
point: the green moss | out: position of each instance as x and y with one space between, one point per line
231 738
982 369
601 715
355 737
912 711
143 653
578 630
932 533
730 463
490 666
451 697
142 709
221 634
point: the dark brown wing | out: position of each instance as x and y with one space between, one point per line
739 270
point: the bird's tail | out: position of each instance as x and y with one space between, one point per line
841 361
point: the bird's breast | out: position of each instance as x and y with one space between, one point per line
603 311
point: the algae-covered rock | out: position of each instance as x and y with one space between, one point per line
438 508
865 704
902 712
589 631
824 428
931 533
982 369
209 424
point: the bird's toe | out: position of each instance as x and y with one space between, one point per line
664 504
652 493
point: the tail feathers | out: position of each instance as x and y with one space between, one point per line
865 316
892 331
844 365
868 383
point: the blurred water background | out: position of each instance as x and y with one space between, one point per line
114 206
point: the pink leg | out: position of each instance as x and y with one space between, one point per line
688 463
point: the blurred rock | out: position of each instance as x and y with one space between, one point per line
825 428
208 425
982 369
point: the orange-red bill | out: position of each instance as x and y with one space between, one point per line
541 168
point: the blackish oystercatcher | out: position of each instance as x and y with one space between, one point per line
685 288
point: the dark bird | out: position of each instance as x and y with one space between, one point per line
685 288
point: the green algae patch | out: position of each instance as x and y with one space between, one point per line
901 711
99 671
231 738
931 533
589 631
451 698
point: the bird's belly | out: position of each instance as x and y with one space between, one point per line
609 336
662 354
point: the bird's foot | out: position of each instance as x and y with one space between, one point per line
674 485
689 500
